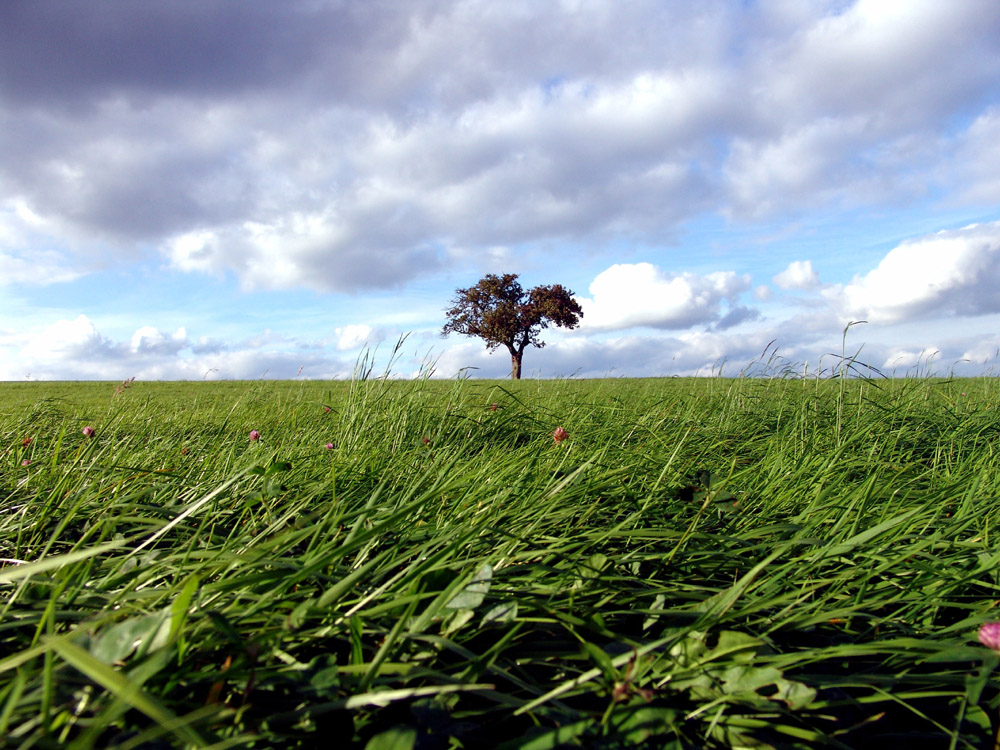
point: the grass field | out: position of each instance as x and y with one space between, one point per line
396 564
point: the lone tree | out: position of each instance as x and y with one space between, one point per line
500 312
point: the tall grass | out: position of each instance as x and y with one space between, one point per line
703 563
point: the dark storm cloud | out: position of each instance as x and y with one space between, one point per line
63 51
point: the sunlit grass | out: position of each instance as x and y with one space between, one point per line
717 562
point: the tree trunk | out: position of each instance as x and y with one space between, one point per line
515 365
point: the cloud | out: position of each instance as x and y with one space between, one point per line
888 52
901 359
149 340
974 172
77 343
352 146
75 349
810 163
798 275
24 259
950 273
640 294
737 314
37 269
124 49
208 345
355 336
846 105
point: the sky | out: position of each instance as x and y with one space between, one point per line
210 189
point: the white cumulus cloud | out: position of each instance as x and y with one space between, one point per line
353 336
907 359
640 294
798 275
953 272
77 342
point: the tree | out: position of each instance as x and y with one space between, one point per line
500 312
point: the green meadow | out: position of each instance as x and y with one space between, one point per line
700 563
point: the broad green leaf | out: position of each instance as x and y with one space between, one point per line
397 738
593 566
744 679
979 718
741 646
458 620
117 642
475 591
795 694
561 737
501 613
639 724
326 681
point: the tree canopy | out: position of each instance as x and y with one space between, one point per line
499 311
